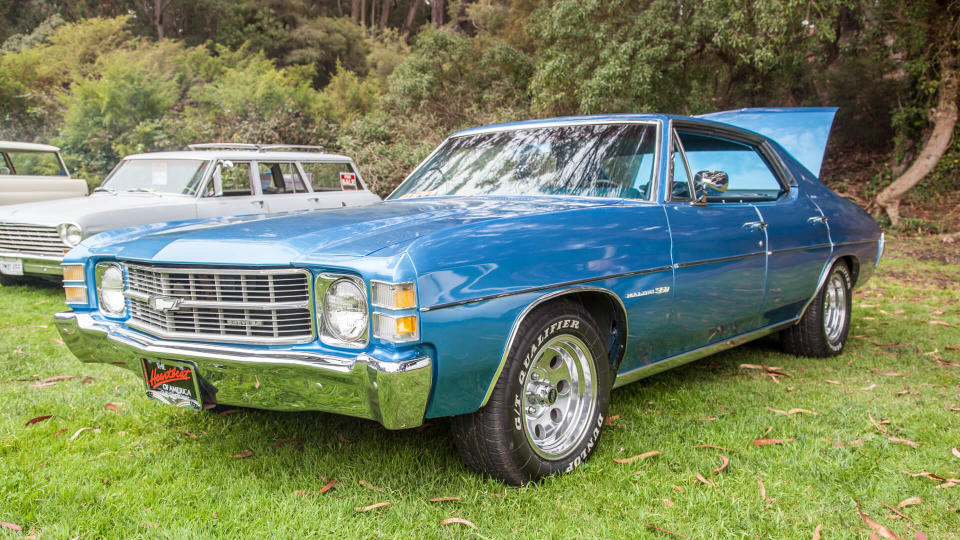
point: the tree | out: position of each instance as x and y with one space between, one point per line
154 11
944 119
438 12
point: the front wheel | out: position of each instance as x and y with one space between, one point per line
823 328
547 408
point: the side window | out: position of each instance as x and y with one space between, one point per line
749 176
680 182
231 182
5 167
36 163
280 178
330 176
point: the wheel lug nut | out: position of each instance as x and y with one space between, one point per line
531 409
535 376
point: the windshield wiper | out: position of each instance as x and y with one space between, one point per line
106 189
142 190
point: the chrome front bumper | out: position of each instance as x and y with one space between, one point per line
392 393
34 265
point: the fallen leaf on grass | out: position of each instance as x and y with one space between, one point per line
832 382
59 341
228 411
87 379
867 388
299 492
838 444
878 528
188 434
710 446
763 489
342 438
644 455
767 431
244 454
704 480
368 485
461 521
920 535
285 441
876 424
372 506
764 442
791 412
668 503
887 373
11 526
726 461
79 431
816 532
953 347
897 512
328 486
49 416
903 441
609 420
942 323
910 502
955 452
768 369
649 526
112 407
444 499
60 432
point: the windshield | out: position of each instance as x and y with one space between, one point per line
180 176
604 160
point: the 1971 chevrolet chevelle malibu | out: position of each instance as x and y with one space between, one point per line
515 277
209 180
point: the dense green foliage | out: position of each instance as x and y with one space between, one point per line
96 80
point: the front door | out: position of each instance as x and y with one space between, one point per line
230 192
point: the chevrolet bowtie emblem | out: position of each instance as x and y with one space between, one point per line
164 304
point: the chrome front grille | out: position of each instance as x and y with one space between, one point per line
31 239
241 305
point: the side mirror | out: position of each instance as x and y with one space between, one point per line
226 164
715 180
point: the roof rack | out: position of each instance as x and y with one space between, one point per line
255 147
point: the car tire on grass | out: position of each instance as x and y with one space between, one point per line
547 408
823 328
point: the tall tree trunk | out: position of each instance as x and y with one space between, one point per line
154 10
944 118
411 16
438 12
363 12
385 12
355 10
373 13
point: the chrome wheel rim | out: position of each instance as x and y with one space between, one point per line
834 308
559 396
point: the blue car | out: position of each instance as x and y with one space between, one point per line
520 273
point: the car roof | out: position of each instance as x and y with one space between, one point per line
243 155
593 119
34 147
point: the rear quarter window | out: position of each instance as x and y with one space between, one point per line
330 176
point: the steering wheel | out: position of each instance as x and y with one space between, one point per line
436 167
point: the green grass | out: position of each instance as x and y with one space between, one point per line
138 474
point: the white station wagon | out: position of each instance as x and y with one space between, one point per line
35 172
209 180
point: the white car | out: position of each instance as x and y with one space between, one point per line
209 180
35 172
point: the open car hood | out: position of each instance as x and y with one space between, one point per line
801 131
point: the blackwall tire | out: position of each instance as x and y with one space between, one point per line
822 330
547 409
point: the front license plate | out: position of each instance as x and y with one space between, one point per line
172 382
11 267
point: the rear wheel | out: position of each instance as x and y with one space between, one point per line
547 408
823 328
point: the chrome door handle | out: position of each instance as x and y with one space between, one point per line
817 219
257 202
755 225
314 199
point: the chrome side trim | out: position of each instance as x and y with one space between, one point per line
880 245
721 259
792 250
696 354
526 311
549 124
392 393
854 242
545 288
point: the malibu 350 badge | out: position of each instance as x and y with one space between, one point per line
171 382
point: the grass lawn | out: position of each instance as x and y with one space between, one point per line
140 468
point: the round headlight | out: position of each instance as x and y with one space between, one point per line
345 310
110 289
70 233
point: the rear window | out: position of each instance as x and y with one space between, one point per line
331 176
32 163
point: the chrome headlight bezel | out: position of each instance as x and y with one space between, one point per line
71 234
329 333
109 280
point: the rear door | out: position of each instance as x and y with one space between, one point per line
719 253
282 186
335 184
